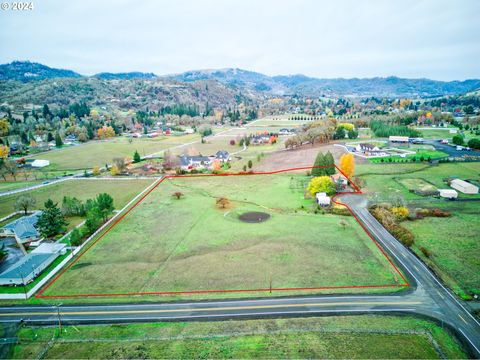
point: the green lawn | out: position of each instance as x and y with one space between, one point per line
420 155
13 185
386 179
122 191
385 337
167 244
99 153
433 133
454 243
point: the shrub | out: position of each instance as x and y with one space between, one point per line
425 251
401 212
402 234
232 142
340 210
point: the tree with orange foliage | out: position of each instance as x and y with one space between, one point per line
105 132
347 164
4 151
216 165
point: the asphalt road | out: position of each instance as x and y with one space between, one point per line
427 297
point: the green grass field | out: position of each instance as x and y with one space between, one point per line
454 243
99 153
167 244
385 179
421 155
382 337
121 191
13 185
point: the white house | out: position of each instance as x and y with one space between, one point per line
366 148
448 193
322 199
464 187
189 163
40 163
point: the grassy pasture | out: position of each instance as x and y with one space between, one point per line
13 185
166 244
121 191
99 153
382 337
417 184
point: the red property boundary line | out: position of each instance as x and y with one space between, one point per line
357 191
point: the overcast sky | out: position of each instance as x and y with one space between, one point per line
436 39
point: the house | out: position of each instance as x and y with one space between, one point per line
31 265
284 132
189 163
448 193
260 139
70 138
322 199
398 139
23 229
40 163
223 156
464 186
367 148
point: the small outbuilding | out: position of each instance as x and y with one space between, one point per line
464 186
40 163
322 199
448 193
398 139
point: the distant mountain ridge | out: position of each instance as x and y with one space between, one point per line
254 82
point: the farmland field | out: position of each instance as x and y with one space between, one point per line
122 191
382 337
99 153
176 245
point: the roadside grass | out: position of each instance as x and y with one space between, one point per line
99 153
432 133
386 180
365 336
454 244
122 191
13 185
166 244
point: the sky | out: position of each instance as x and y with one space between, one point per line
436 39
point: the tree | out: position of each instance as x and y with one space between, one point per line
339 133
474 143
318 165
232 142
222 202
96 171
51 222
58 140
4 125
343 223
457 140
94 219
4 151
352 134
329 163
177 195
104 203
25 202
120 164
321 184
75 237
347 164
216 165
136 157
105 132
250 164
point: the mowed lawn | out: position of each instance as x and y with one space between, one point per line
122 192
99 153
455 245
336 337
166 244
388 179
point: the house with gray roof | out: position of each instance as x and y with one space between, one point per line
28 267
189 163
223 156
23 229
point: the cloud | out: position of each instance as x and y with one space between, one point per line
341 38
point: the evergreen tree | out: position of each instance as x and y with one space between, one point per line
58 140
330 163
319 161
51 222
104 203
136 157
50 137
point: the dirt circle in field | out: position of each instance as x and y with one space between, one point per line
254 217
